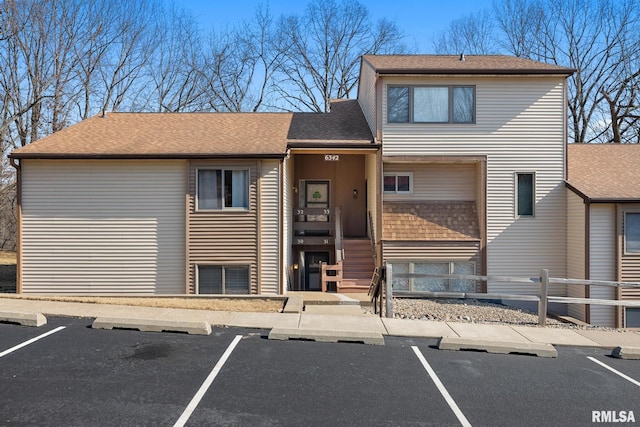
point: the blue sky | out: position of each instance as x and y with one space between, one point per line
419 19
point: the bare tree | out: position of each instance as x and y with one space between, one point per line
599 39
472 34
322 51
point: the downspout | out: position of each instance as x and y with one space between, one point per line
18 168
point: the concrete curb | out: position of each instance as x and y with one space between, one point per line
146 325
365 337
631 353
500 347
25 319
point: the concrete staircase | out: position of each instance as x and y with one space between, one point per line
357 266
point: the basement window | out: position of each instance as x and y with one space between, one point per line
418 284
223 279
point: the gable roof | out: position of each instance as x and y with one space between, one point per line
193 135
604 172
452 64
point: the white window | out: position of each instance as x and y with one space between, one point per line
222 189
416 284
632 232
431 104
223 279
398 183
525 194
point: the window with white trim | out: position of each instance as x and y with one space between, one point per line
431 104
525 194
222 189
416 284
632 232
398 183
223 279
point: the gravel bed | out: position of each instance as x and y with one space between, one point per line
471 311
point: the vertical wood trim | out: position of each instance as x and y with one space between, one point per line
187 246
259 228
587 260
619 318
484 221
18 167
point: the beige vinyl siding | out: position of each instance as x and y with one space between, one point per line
434 251
602 248
436 182
103 227
226 236
269 268
630 263
519 128
576 255
287 221
367 95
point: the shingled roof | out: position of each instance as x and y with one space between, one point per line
604 172
453 64
436 220
193 135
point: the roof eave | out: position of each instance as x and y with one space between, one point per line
156 156
476 72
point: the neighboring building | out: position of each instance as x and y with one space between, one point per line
603 229
443 164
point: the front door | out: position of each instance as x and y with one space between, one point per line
312 272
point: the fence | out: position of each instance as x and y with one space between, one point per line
542 297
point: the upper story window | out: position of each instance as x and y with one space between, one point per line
397 183
525 194
222 189
632 232
431 104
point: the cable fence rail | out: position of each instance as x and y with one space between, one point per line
541 295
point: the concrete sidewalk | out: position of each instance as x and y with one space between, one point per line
334 322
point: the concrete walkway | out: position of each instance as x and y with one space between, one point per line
336 318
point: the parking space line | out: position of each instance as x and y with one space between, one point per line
631 380
207 383
452 404
32 340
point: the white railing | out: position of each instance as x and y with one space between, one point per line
541 297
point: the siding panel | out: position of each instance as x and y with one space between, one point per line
576 255
602 247
436 182
97 227
519 128
269 227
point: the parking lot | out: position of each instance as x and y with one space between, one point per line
76 375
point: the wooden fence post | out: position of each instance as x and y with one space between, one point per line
542 304
388 292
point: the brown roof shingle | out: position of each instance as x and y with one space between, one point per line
184 135
451 64
605 171
437 220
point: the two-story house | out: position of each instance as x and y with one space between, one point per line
472 166
443 164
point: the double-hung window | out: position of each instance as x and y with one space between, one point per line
397 183
431 104
222 189
632 232
525 194
223 279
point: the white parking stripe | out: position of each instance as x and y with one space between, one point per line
206 384
631 380
452 404
32 340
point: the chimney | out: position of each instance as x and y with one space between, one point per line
462 57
